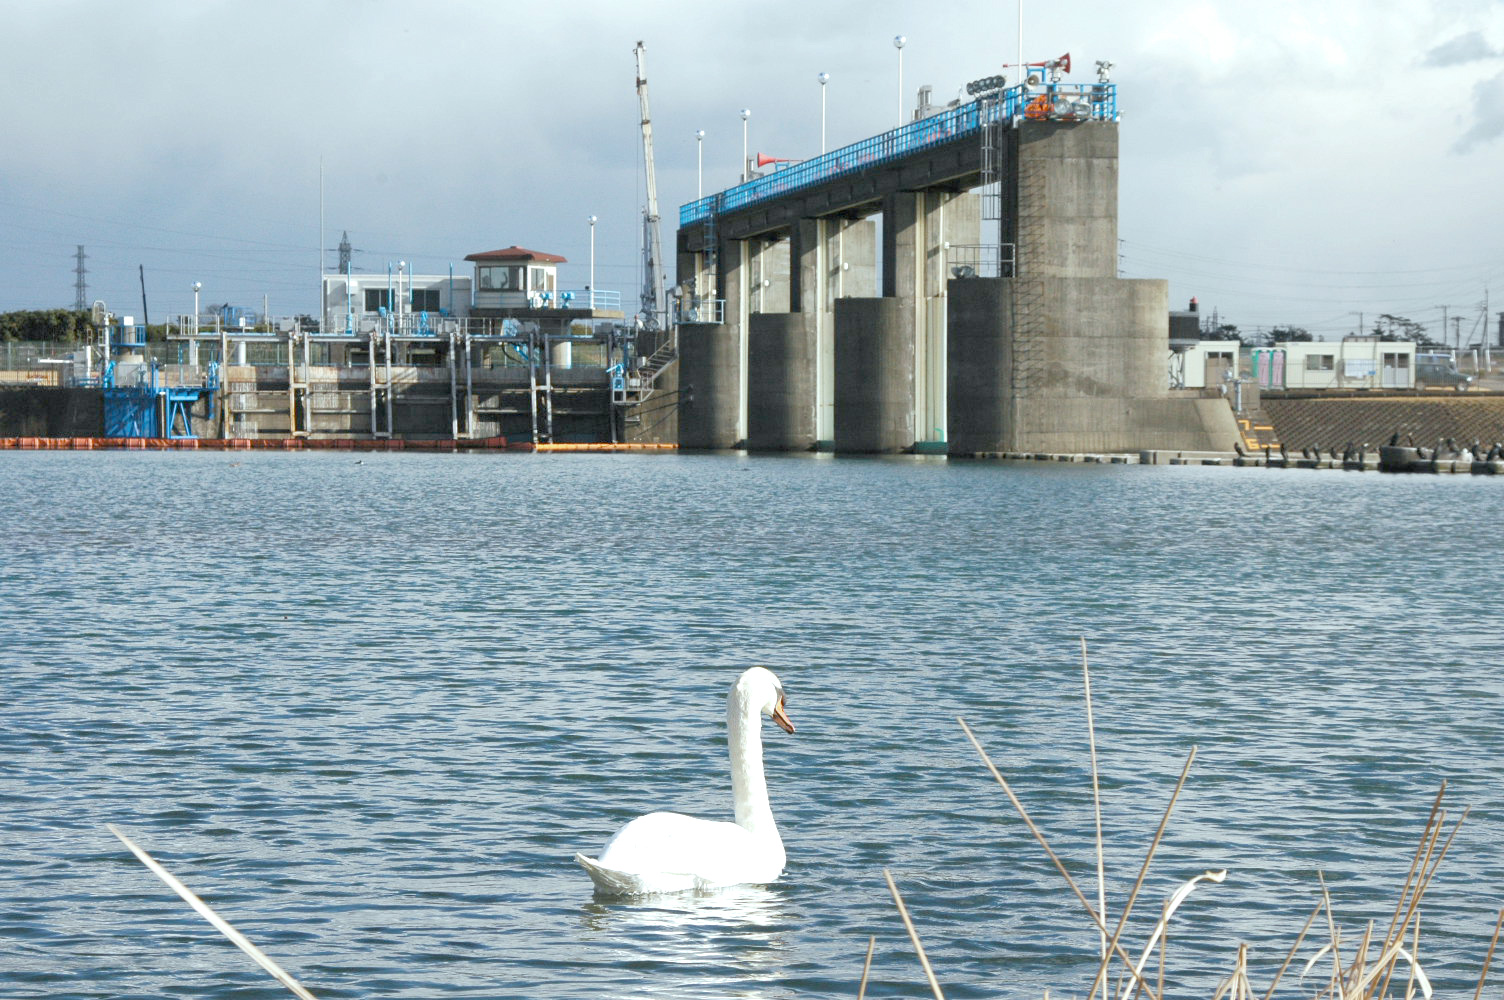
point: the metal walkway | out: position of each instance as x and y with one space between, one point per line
1054 102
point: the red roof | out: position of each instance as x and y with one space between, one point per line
518 253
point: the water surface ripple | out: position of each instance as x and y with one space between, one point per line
369 706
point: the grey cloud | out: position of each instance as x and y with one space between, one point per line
1488 114
1471 47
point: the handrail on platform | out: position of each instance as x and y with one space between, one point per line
1054 102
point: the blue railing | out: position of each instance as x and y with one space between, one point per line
1056 102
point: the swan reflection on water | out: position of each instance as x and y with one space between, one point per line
737 934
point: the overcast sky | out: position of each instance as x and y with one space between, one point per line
1285 162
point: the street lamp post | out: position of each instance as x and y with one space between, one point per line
898 43
745 115
824 79
592 262
700 164
196 286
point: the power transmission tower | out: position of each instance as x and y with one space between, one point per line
80 287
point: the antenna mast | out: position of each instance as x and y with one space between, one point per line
652 246
80 287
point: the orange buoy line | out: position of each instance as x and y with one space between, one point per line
308 444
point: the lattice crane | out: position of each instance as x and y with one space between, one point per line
651 309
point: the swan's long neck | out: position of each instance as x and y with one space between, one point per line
749 787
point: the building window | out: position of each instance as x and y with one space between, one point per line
502 278
542 279
426 300
378 299
1321 362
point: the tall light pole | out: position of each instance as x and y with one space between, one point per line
700 164
592 262
824 79
745 115
898 42
198 284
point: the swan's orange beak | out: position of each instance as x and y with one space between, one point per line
781 719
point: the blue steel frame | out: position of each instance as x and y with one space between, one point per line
1100 101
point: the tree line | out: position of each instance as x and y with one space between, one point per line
67 325
1386 327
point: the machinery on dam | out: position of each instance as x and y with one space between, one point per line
948 286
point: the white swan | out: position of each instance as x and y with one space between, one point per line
670 852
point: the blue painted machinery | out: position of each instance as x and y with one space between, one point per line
136 403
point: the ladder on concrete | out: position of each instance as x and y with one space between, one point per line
299 419
540 393
991 137
381 387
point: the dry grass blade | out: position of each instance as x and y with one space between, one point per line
1385 965
861 990
1169 911
1054 858
220 923
1164 821
913 936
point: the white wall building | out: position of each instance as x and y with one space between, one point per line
1352 363
412 303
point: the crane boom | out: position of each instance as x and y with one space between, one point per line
651 308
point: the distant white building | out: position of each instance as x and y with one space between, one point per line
1352 363
1204 364
411 303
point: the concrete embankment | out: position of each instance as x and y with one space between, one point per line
1343 422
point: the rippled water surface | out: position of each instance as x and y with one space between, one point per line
369 707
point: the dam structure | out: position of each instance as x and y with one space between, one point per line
980 311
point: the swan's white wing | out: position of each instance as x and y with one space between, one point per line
670 848
609 882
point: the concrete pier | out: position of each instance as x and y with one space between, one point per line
1057 354
710 376
874 390
1065 355
781 383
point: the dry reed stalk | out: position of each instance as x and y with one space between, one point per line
1096 802
1488 960
861 990
1414 950
220 923
1422 848
1060 867
1164 945
1299 939
1143 872
1360 962
1428 872
1236 985
1331 923
913 936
